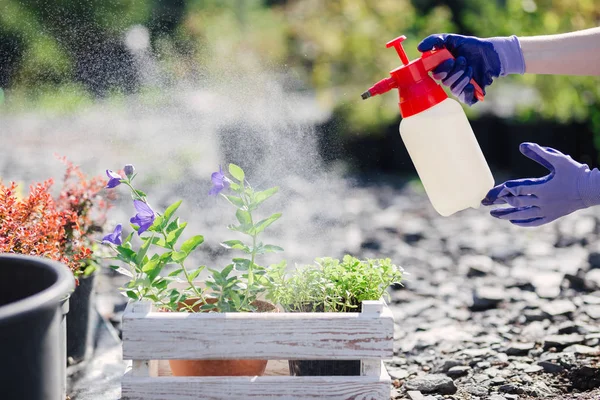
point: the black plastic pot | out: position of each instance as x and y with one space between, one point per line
32 290
81 321
321 367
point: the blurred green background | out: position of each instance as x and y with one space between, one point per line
64 54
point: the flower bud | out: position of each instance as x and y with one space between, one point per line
129 170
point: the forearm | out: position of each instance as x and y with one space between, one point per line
574 53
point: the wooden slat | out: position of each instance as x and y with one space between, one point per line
257 388
314 336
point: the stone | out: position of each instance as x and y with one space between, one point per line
484 364
594 255
450 364
593 311
550 367
547 284
415 395
488 297
532 369
585 377
397 373
592 278
476 265
519 349
476 390
511 389
458 371
562 341
432 383
497 397
581 349
559 307
593 298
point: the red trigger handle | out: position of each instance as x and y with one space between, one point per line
438 56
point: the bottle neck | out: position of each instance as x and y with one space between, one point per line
420 96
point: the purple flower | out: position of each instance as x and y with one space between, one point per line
219 182
129 170
144 217
114 179
115 237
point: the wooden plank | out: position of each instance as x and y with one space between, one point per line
255 388
315 336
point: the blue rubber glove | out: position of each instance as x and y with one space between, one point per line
480 59
569 187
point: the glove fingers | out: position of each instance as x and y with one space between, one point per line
441 71
459 69
517 213
531 222
467 96
458 86
521 201
545 156
431 41
517 187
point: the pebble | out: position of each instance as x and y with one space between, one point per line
432 383
551 367
581 349
458 371
518 349
559 307
487 297
561 341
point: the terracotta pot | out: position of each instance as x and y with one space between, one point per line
222 367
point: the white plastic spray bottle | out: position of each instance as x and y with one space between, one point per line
437 134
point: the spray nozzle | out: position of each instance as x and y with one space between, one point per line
413 76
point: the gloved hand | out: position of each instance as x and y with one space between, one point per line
480 59
569 187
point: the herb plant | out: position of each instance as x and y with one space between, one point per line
332 285
159 234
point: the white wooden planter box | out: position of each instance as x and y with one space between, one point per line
151 337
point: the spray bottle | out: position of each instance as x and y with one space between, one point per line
437 134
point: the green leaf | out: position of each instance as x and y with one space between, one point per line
121 270
241 264
158 241
131 294
262 225
171 210
173 236
143 250
236 172
173 225
236 201
179 256
268 248
176 272
157 224
150 265
195 273
235 244
244 217
126 254
192 243
260 197
234 186
226 271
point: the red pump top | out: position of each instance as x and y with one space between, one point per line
418 91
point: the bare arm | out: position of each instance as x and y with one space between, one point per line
574 53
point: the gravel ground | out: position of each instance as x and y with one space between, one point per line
488 310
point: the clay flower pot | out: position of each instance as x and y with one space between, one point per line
222 367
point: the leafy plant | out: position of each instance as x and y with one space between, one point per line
160 234
333 285
36 225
